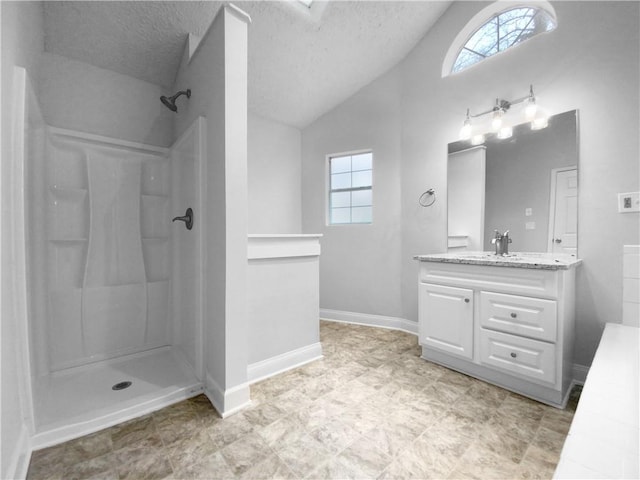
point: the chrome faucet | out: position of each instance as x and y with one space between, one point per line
501 241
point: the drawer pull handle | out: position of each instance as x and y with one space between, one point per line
513 315
466 300
513 355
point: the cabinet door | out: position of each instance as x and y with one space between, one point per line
446 319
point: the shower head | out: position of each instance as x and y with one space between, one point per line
170 102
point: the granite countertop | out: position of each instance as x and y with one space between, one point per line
540 261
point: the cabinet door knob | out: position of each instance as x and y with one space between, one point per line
558 240
513 355
513 315
466 300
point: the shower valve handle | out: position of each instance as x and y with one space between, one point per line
187 219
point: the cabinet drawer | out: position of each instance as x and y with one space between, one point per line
530 317
532 359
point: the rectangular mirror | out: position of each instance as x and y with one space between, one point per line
527 184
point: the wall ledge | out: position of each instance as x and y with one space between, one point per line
262 246
105 141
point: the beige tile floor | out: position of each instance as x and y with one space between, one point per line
370 409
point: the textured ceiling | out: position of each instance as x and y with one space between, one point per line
302 62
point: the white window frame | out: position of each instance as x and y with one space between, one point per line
327 166
478 20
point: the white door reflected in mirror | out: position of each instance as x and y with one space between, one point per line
563 214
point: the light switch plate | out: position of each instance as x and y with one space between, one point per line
629 202
528 212
530 226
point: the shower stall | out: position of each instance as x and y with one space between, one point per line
113 286
112 307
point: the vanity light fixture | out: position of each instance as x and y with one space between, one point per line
465 131
531 107
498 114
502 124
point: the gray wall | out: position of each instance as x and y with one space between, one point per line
589 63
360 264
79 96
274 169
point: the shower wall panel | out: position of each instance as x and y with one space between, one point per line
108 234
187 172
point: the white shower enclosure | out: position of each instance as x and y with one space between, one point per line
113 286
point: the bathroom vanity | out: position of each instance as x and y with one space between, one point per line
507 320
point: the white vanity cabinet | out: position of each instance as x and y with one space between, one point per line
509 325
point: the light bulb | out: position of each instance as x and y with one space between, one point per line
465 131
540 122
496 122
531 109
477 139
505 132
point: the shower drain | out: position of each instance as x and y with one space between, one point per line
121 385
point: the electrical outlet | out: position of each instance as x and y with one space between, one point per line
528 212
629 202
530 226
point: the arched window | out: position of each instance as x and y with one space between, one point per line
497 32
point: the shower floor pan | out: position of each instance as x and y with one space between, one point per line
80 401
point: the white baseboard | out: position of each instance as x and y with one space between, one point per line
579 373
20 457
393 323
227 402
281 363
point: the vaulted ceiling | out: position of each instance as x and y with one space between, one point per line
302 62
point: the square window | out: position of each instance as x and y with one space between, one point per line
361 179
361 198
341 181
361 215
363 161
340 215
340 165
350 188
340 199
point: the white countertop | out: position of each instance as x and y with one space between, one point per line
541 261
604 439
